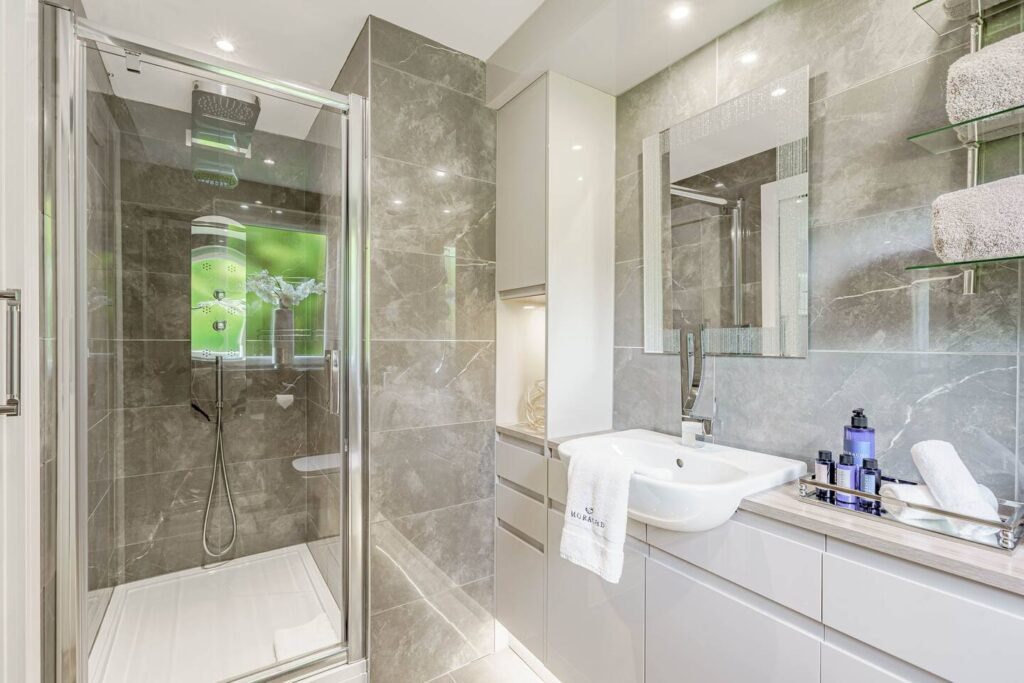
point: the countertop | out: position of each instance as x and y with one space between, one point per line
990 566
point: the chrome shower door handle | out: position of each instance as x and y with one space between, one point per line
11 406
333 358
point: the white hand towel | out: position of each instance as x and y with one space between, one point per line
305 638
596 511
951 483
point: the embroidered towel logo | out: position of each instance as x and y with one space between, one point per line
587 517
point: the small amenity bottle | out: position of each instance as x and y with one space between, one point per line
846 476
824 471
858 438
870 482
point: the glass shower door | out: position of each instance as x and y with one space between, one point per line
212 232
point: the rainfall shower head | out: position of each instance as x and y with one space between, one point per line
219 106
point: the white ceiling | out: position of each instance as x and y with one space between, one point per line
611 45
302 40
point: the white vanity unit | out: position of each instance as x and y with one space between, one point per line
782 591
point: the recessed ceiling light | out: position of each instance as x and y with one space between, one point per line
447 211
278 211
719 185
440 174
396 202
580 179
778 92
269 162
529 307
748 57
679 12
258 202
577 148
225 45
243 206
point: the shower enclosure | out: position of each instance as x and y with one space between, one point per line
204 280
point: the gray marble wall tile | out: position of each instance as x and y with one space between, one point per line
431 125
793 407
433 467
628 217
629 312
422 296
864 299
415 642
406 51
437 214
647 394
428 383
156 373
458 539
845 43
860 161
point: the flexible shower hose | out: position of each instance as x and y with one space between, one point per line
219 466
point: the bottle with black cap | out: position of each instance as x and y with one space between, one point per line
858 438
847 476
870 482
824 470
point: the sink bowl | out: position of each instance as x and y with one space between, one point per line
687 488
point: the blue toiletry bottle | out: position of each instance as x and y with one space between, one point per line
858 438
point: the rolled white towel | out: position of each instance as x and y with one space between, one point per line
920 495
986 81
951 483
980 222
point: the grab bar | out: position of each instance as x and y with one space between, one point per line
12 405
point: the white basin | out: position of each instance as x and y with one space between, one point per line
699 495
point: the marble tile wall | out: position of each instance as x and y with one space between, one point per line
432 201
924 360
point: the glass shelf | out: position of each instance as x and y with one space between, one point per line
965 264
987 128
934 12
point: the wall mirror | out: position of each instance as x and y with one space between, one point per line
725 227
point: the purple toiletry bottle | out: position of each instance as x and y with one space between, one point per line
858 438
847 477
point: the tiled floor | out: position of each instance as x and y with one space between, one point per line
501 667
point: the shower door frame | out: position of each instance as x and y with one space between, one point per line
64 40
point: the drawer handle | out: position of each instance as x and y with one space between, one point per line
12 405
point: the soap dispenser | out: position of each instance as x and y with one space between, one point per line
858 438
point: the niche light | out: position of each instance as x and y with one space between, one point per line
269 162
440 174
258 201
748 57
447 211
679 12
778 92
397 202
243 206
224 45
577 148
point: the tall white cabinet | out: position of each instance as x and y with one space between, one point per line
555 280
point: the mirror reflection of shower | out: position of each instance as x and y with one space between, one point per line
733 208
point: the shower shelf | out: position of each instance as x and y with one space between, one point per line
951 137
933 13
965 264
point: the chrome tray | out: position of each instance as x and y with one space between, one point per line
1008 531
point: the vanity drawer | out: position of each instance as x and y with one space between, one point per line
519 589
778 561
558 488
954 628
700 627
520 466
519 511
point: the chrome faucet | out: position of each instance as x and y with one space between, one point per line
691 361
